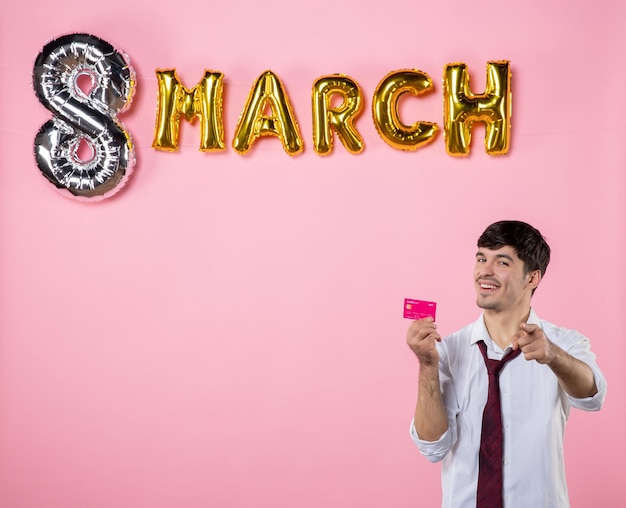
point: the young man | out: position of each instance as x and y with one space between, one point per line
493 398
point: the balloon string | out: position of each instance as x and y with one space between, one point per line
619 127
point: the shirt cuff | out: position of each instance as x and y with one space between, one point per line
433 451
592 403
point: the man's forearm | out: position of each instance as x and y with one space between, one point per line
575 377
430 415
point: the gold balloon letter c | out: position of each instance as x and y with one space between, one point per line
385 110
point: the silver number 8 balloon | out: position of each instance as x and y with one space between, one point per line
84 117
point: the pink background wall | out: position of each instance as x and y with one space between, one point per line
227 330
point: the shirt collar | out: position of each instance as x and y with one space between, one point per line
479 330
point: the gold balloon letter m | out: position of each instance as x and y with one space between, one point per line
204 101
462 108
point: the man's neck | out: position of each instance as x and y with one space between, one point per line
503 325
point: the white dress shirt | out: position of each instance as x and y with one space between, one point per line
534 412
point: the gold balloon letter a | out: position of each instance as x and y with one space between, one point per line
203 101
267 96
340 118
462 108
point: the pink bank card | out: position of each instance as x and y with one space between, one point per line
419 309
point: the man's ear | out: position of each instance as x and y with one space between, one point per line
534 278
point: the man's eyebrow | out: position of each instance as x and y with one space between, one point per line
506 256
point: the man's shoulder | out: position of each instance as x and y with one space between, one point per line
463 336
561 335
470 328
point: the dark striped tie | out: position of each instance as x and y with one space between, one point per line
490 457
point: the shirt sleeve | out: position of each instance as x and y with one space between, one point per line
579 347
433 451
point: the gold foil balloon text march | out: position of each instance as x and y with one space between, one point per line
268 111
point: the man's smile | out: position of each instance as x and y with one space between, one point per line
488 285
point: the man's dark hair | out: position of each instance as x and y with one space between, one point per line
529 244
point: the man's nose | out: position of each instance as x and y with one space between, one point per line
486 268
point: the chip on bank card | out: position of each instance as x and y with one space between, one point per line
419 309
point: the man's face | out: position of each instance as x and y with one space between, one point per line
500 280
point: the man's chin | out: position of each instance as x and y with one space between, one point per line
485 305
